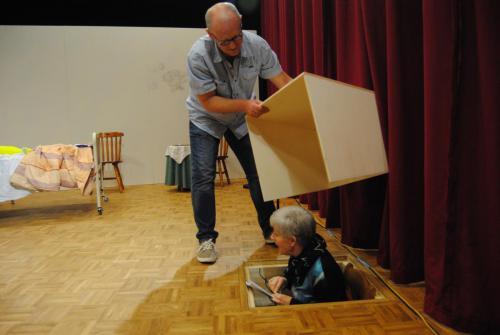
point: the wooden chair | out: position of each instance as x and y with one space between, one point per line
110 148
221 161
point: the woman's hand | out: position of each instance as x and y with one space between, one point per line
276 283
282 299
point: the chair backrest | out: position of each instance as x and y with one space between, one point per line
223 147
110 146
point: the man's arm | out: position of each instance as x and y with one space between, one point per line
213 103
280 80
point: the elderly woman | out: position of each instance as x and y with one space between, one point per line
312 274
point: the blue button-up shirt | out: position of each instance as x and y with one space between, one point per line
209 70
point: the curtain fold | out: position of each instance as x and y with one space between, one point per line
305 20
361 203
404 96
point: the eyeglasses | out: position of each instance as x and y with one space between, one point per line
235 39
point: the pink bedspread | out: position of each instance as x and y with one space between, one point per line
55 167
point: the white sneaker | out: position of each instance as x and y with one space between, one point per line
206 252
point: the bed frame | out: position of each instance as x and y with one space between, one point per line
99 174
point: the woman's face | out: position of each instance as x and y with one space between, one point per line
285 244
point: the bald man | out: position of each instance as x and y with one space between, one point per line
223 68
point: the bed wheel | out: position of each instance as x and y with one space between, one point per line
100 210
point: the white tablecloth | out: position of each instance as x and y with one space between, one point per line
178 152
8 164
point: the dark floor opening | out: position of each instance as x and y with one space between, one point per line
359 281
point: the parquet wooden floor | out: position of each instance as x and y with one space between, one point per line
66 270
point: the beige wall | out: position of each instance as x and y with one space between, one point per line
60 84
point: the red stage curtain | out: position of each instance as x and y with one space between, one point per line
401 84
462 163
288 28
435 70
361 203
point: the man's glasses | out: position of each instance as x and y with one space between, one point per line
235 39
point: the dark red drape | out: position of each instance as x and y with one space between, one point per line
462 163
300 47
298 43
434 67
361 203
404 95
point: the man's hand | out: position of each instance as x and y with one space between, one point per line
214 103
254 108
276 283
282 299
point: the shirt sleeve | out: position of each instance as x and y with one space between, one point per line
201 80
270 65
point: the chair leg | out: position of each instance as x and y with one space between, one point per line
219 172
118 177
225 171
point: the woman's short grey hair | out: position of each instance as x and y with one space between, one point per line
294 221
228 5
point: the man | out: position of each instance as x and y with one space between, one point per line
223 68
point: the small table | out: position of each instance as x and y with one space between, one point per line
178 171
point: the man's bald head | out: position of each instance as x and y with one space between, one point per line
222 13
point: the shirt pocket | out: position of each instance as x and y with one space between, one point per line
223 88
249 76
249 73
